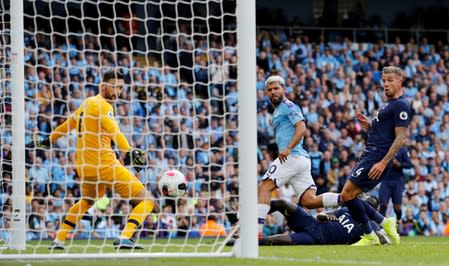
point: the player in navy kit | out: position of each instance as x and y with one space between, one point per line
337 227
293 163
387 132
392 185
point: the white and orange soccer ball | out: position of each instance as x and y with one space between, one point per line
172 184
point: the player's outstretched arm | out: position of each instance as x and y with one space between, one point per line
59 131
277 240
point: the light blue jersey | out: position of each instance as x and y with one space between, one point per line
285 116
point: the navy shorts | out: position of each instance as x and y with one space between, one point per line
359 174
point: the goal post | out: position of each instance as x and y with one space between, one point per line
18 127
246 41
179 66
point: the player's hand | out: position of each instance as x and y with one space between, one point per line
135 157
283 155
377 170
44 144
396 163
325 217
364 121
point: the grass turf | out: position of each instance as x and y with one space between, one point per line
412 251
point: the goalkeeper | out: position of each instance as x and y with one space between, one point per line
96 162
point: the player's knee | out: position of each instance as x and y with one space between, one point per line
266 185
345 197
141 196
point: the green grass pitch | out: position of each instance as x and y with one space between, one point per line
412 251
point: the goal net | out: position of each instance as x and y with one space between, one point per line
179 104
5 128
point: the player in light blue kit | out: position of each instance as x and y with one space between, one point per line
293 163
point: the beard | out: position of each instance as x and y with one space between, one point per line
277 100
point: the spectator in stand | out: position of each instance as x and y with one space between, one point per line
211 228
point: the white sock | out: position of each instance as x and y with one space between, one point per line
330 200
262 212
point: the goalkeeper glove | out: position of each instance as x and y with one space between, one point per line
39 144
135 157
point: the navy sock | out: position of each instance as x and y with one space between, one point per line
383 209
372 213
366 228
398 213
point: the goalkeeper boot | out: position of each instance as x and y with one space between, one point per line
56 246
123 243
391 231
230 242
368 240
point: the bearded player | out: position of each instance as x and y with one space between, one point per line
293 163
96 162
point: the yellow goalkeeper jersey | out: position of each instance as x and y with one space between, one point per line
96 127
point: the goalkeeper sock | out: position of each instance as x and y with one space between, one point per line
262 212
136 217
76 212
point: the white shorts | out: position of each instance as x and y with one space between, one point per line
294 171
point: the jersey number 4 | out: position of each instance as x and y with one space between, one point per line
358 172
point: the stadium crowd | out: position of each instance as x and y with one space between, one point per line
185 117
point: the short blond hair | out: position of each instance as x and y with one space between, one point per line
393 70
273 79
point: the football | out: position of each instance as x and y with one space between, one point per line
172 184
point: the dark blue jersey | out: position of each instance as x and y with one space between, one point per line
392 114
343 231
395 173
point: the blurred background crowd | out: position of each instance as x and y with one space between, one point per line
181 106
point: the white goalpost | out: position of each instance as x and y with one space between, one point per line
189 102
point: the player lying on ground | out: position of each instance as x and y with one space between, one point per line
337 227
97 165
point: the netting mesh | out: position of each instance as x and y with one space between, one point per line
179 105
5 125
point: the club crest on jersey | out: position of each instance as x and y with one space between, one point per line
110 114
403 115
